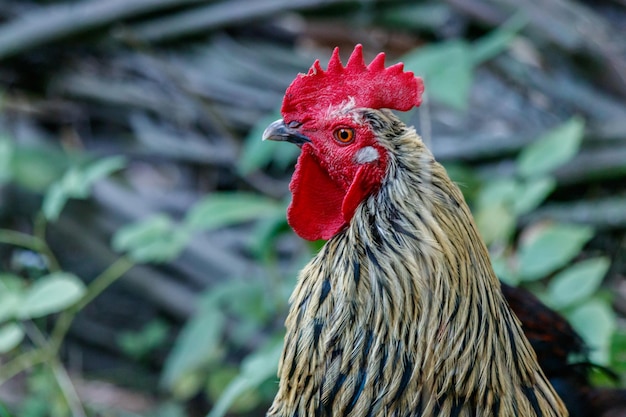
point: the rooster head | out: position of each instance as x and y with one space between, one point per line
343 159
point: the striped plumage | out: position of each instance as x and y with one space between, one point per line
400 314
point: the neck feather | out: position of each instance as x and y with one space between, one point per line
402 313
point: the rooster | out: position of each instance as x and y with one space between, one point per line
400 313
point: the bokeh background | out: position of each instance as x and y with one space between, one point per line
145 262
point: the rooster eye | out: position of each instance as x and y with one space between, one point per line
344 135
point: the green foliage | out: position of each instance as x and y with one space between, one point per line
155 239
6 156
448 67
227 209
447 70
45 400
255 369
416 16
544 257
199 352
577 283
54 291
50 294
531 193
198 345
34 168
501 201
494 222
160 239
550 248
140 344
3 411
594 320
492 44
76 183
11 335
551 150
618 351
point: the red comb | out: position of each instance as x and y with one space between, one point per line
372 86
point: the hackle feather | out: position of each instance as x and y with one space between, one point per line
401 314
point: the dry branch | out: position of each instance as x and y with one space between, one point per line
53 23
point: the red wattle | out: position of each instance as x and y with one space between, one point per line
315 210
362 185
320 206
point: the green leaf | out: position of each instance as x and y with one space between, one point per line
500 191
532 193
618 351
3 411
225 209
503 270
6 156
498 40
142 232
101 169
54 201
551 248
429 16
164 249
595 322
11 335
151 240
264 235
577 282
10 282
51 294
496 223
447 70
257 153
9 303
76 183
197 345
35 168
255 369
140 343
551 150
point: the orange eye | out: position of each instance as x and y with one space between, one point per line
344 135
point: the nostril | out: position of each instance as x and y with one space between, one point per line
294 124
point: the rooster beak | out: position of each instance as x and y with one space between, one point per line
278 131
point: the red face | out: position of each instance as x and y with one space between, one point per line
342 162
340 165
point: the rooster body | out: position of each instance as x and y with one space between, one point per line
400 314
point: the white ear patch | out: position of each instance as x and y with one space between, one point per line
365 155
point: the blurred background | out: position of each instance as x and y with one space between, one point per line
145 261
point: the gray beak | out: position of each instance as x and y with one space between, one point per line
278 131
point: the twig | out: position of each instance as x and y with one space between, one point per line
21 363
68 388
58 370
